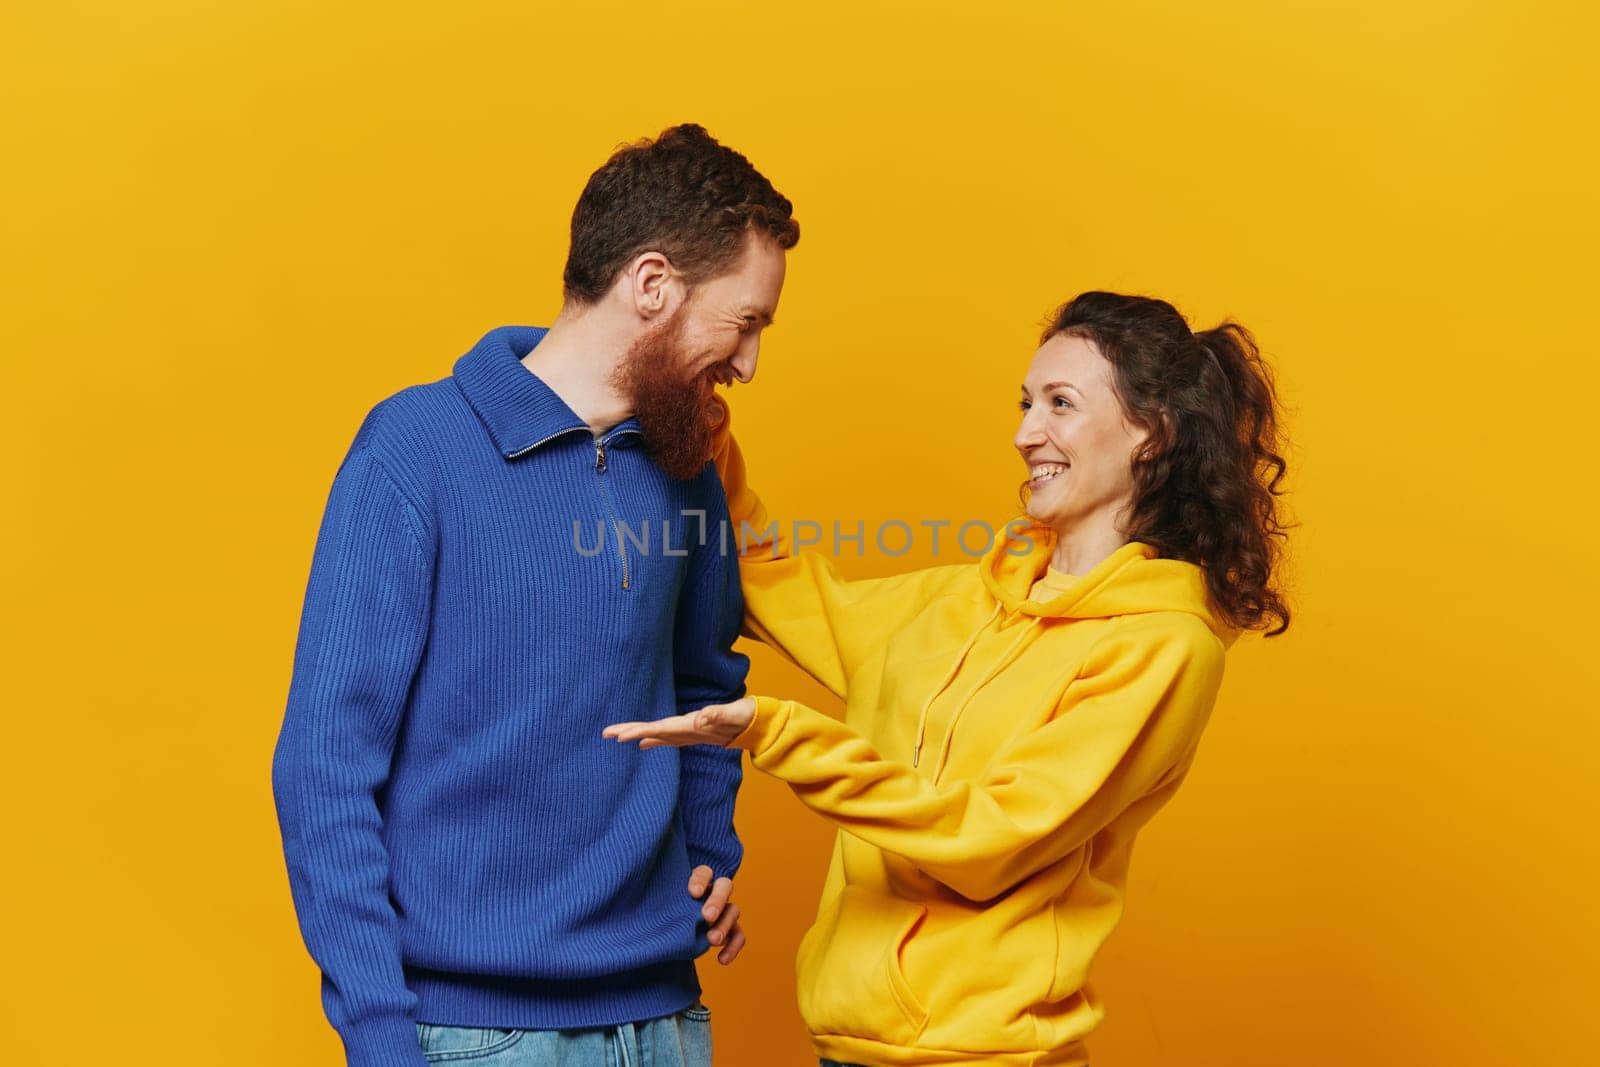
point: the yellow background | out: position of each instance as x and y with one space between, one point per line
229 229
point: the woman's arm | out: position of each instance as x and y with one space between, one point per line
796 602
1126 727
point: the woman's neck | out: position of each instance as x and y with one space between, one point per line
1079 550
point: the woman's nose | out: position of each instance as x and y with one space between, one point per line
1028 436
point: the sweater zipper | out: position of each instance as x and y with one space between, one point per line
600 469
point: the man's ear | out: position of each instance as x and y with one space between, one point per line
653 287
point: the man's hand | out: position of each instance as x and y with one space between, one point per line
719 912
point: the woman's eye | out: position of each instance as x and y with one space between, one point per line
1024 405
1063 402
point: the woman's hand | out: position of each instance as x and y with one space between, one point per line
714 725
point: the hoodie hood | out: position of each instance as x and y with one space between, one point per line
1130 581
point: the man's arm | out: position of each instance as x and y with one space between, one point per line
362 632
707 671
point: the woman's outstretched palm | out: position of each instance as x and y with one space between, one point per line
716 724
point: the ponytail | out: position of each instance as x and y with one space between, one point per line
1248 497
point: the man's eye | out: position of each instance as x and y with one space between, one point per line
1024 405
1062 401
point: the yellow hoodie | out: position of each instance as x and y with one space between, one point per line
996 758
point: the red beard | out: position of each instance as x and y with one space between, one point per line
672 409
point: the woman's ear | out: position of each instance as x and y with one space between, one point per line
1150 442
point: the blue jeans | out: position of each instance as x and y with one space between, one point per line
681 1040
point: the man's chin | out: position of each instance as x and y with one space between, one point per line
681 452
671 412
677 431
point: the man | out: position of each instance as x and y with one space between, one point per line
473 866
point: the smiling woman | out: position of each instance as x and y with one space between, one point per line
1077 429
1198 414
1011 726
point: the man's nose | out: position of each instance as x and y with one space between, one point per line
744 360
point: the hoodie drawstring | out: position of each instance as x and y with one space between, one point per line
999 665
922 716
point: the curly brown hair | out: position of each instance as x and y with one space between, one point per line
1208 478
683 195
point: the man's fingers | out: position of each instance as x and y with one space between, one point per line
699 881
731 950
720 892
719 933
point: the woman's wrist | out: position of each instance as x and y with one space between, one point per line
763 726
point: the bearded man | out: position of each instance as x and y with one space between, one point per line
477 872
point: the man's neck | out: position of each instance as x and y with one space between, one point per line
578 359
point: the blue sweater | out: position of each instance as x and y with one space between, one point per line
463 846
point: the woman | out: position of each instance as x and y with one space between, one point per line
1011 725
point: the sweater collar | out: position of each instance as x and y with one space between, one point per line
519 410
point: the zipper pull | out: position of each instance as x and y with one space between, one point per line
599 457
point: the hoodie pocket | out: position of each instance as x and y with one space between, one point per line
849 976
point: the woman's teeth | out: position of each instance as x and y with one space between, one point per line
1045 472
